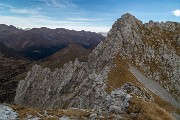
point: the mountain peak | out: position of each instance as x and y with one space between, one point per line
125 24
127 16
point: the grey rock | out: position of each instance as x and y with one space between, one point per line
64 118
7 113
93 116
118 117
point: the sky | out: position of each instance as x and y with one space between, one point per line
88 15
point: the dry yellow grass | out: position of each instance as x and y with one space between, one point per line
24 111
164 104
57 113
120 75
146 111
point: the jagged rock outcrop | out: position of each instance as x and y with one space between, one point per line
82 84
153 48
71 86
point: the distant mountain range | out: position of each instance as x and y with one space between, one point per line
19 48
11 64
38 43
5 51
9 52
69 53
103 33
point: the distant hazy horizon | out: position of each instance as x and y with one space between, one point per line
94 15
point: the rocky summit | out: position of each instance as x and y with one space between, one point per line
136 62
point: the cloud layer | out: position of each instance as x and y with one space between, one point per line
43 21
36 16
176 12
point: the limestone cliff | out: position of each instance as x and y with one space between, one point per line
151 48
154 48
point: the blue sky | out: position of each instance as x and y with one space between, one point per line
89 15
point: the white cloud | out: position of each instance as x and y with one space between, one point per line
176 12
12 9
84 19
5 5
35 18
24 11
88 28
43 21
64 4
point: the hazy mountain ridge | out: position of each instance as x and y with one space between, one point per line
69 53
11 64
85 84
38 43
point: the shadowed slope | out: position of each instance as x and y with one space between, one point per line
69 53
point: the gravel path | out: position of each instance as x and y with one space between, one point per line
154 87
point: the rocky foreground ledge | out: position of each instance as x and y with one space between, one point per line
7 113
14 112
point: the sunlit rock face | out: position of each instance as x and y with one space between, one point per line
153 48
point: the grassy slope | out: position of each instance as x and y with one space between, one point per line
11 64
70 53
50 114
120 75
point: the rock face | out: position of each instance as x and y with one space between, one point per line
83 84
153 48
